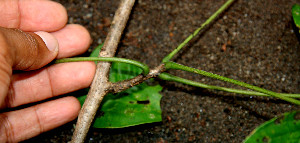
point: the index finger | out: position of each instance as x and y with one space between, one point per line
32 15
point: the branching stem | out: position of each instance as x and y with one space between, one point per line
172 65
100 84
169 77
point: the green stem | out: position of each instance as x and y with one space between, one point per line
172 65
208 21
169 77
144 67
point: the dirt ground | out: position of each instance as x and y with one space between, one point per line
253 41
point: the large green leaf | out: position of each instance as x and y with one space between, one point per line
282 129
296 14
137 105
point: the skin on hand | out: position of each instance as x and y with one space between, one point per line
31 51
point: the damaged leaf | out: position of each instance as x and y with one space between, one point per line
282 129
138 107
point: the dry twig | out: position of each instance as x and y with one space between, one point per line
100 84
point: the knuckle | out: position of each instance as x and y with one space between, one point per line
38 119
6 129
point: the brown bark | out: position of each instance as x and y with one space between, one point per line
100 84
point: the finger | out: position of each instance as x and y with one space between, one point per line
73 40
32 15
27 51
23 51
55 80
29 122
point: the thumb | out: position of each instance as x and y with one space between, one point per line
27 51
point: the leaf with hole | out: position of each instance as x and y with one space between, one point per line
282 129
140 106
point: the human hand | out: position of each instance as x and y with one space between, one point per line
27 51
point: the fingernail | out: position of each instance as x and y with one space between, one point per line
50 40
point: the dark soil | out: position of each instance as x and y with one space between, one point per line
253 41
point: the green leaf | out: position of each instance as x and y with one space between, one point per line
123 71
282 129
119 71
296 14
81 99
96 51
137 105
